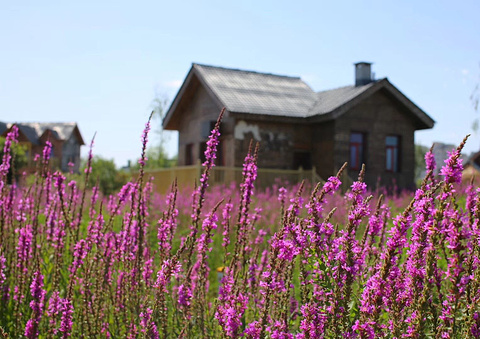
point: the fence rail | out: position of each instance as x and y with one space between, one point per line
187 175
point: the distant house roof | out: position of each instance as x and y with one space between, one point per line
34 130
248 92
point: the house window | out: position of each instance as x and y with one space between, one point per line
392 153
357 146
189 154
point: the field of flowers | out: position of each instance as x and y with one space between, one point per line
290 262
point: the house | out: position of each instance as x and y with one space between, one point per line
64 136
370 122
471 169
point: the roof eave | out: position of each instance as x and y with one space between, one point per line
20 134
210 91
268 117
79 135
176 101
166 124
424 121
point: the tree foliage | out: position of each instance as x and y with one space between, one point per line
19 158
105 174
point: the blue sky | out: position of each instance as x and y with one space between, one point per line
100 63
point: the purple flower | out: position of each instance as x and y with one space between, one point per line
169 268
430 161
24 247
231 306
149 328
210 155
66 321
279 330
313 322
94 229
3 266
253 330
452 170
54 308
119 291
47 151
143 159
37 305
147 271
332 184
79 254
7 157
227 210
282 194
184 295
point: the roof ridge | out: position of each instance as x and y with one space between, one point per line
246 71
352 86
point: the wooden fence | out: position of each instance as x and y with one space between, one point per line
187 175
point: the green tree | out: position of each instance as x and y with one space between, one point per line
19 159
105 173
158 158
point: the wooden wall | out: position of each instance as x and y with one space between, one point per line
377 117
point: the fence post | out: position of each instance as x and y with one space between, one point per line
300 174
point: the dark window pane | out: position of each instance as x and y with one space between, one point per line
356 150
353 157
356 137
392 141
392 153
389 159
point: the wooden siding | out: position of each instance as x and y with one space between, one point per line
198 110
377 117
326 143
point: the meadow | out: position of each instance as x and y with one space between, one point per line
293 261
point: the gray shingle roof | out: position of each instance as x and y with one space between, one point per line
259 93
249 92
327 101
34 130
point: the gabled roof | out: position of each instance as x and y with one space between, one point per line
264 94
260 93
247 92
328 101
333 103
34 130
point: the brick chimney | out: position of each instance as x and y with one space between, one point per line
363 73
